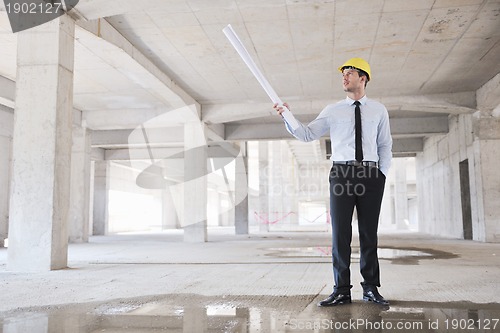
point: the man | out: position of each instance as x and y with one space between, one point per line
361 155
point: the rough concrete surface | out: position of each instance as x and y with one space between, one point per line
252 283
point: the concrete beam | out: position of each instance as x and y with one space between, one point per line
488 96
7 92
107 35
269 131
402 155
6 121
223 113
97 154
421 126
215 150
118 119
155 136
139 154
452 103
109 139
215 132
407 145
400 127
123 138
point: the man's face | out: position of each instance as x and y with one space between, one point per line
351 80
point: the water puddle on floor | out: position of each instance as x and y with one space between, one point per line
401 256
257 314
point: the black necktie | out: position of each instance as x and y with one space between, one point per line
357 127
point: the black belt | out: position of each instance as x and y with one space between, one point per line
356 163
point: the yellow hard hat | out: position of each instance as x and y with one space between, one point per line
358 63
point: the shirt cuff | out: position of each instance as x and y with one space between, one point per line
290 119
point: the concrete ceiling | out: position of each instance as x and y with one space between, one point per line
137 60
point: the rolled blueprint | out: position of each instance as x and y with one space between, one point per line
245 56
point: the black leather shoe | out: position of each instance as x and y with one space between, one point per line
372 295
336 299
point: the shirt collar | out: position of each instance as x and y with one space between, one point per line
362 100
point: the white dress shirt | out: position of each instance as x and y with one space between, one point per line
339 119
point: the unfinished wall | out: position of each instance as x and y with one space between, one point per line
475 138
438 182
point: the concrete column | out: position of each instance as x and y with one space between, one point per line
486 178
290 180
5 151
241 193
39 206
277 213
80 187
214 203
295 176
169 213
400 194
6 120
226 217
101 198
195 185
263 213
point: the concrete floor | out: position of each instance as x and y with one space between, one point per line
256 283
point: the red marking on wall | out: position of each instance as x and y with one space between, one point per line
264 218
325 250
277 217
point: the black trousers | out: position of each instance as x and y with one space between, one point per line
363 188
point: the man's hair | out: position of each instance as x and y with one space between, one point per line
363 73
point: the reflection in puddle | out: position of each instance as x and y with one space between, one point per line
402 256
177 313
